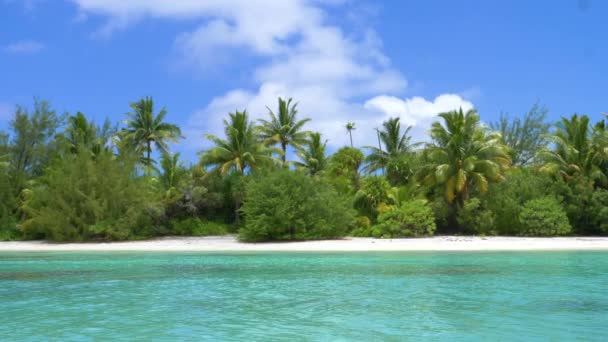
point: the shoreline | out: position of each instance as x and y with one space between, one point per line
230 244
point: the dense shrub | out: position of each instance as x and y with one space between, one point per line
506 199
543 217
599 210
475 219
287 205
82 197
413 218
196 227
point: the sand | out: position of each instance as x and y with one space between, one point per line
230 244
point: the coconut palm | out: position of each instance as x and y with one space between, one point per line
312 156
145 128
350 127
396 158
577 150
80 134
462 157
284 128
241 151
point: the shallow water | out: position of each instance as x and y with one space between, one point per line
304 296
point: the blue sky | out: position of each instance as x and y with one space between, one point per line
358 60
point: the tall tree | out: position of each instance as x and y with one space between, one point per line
524 136
350 127
240 151
577 150
398 153
32 140
284 128
463 156
145 128
312 156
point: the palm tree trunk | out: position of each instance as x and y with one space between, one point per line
351 139
149 149
284 156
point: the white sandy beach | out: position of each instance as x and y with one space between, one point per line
230 244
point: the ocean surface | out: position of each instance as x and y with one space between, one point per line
511 296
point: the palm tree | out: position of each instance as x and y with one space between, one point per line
313 156
81 134
172 171
350 127
284 128
145 128
462 157
240 151
578 150
397 155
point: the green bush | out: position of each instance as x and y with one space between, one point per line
543 217
598 211
197 227
363 227
413 218
81 197
506 199
475 219
287 205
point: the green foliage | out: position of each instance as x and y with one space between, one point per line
313 159
411 219
544 217
395 159
194 226
241 151
598 211
144 129
475 219
343 169
374 191
284 128
524 136
506 199
464 158
577 150
287 205
81 198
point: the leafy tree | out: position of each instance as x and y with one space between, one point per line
284 128
463 157
241 151
505 200
82 198
544 217
32 144
577 150
145 128
312 157
398 155
343 169
524 136
350 127
287 205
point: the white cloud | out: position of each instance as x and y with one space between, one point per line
299 54
24 46
416 111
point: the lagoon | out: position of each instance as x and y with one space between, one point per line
559 295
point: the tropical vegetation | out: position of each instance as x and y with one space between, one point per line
64 177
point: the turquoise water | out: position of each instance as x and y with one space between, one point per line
304 296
